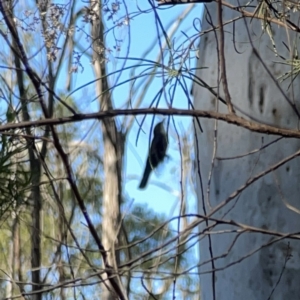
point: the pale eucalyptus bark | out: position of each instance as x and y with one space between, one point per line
113 143
263 204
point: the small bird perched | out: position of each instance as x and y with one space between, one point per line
157 152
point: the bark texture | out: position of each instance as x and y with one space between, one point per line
264 203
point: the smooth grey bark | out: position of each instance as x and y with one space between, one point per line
113 143
263 203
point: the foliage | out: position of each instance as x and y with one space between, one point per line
75 78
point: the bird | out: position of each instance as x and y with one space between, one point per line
157 152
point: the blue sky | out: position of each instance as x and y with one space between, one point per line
163 190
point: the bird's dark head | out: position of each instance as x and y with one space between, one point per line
159 128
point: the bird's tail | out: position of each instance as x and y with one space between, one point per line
146 175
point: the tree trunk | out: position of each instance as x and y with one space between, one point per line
112 162
263 203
